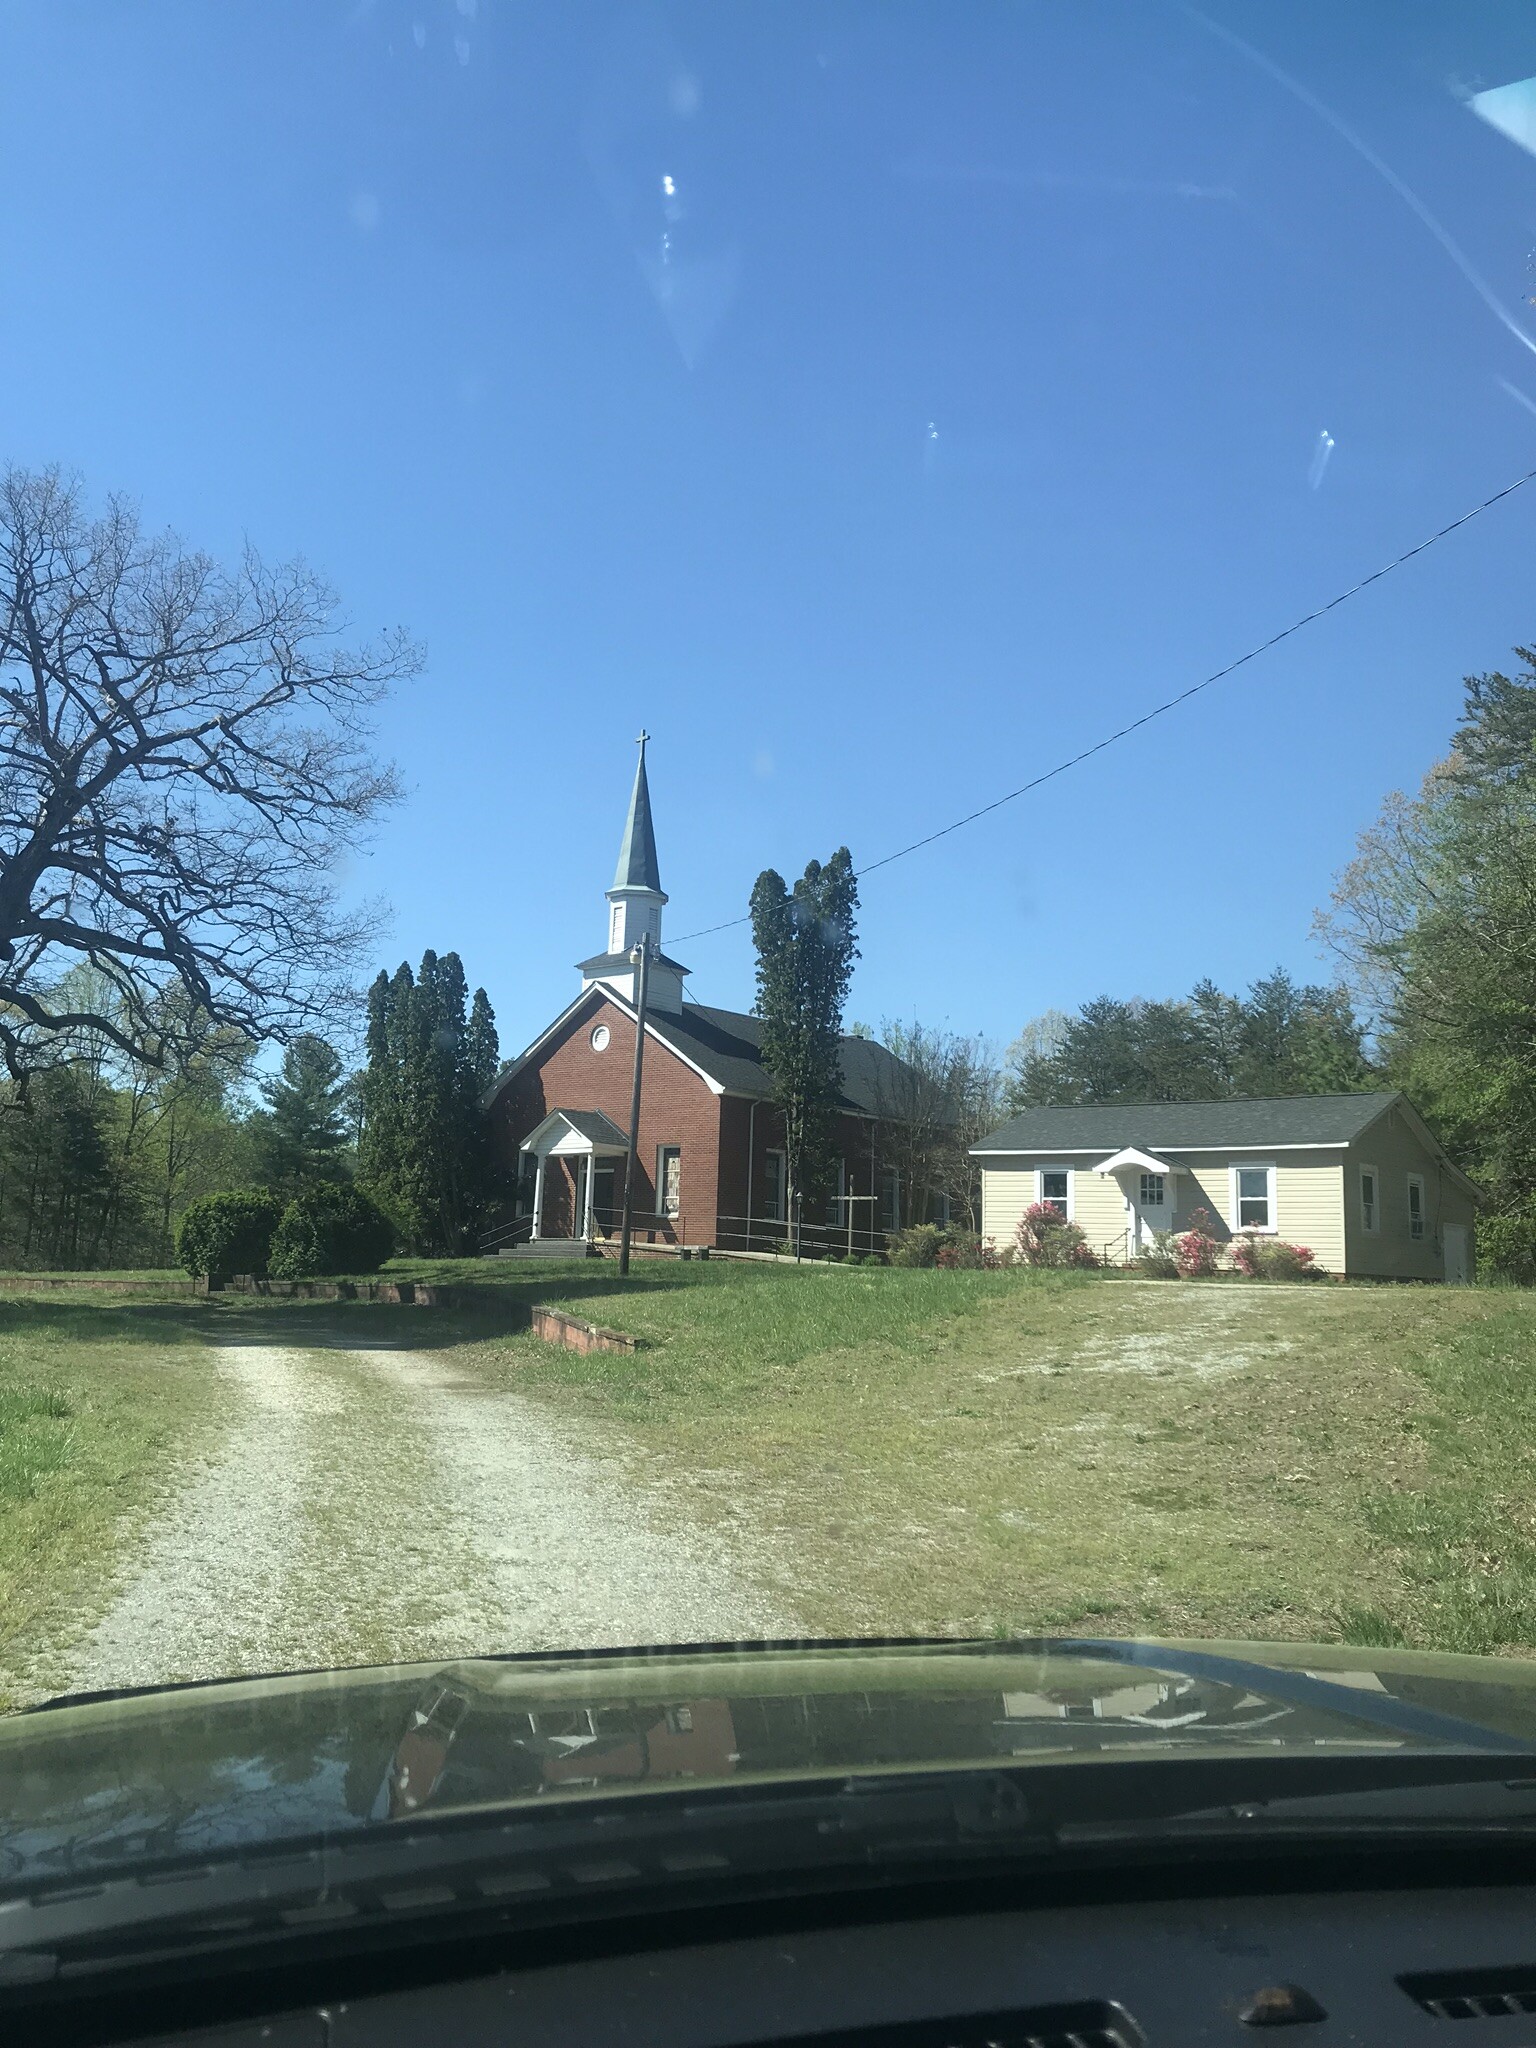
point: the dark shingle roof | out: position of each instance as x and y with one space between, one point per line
616 963
1248 1124
594 1126
728 1045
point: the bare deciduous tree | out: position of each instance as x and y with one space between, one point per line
184 756
945 1095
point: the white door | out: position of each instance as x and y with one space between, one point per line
1149 1206
1457 1258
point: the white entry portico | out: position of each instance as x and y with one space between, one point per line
587 1138
1146 1182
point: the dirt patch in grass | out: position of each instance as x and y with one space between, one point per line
1004 1453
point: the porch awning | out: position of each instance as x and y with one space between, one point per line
1133 1156
585 1132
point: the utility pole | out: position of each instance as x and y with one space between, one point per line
640 957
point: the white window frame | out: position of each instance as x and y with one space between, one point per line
1234 1185
663 1153
1145 1199
837 1200
1040 1194
1416 1180
1370 1216
779 1205
890 1201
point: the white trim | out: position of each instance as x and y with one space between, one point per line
1040 1173
1428 1140
1132 1155
608 994
1370 1225
662 1152
779 1213
1237 1225
1087 1151
574 1145
1412 1181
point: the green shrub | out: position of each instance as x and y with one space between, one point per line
1158 1260
1045 1238
918 1245
226 1234
1197 1251
966 1252
1506 1248
1270 1258
332 1227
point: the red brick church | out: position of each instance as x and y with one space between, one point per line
710 1156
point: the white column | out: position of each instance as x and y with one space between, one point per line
591 1192
538 1191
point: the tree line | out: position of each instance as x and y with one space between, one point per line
186 754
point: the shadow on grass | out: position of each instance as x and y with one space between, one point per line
477 1310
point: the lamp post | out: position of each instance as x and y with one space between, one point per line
640 957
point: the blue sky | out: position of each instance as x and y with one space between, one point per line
961 399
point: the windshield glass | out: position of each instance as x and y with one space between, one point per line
767 875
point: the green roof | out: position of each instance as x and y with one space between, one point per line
1237 1124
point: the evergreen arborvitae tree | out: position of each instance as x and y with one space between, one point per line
301 1135
425 1150
806 948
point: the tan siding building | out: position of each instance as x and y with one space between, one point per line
1359 1179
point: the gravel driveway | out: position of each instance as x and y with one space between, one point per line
372 1505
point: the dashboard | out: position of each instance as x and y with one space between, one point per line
1388 1969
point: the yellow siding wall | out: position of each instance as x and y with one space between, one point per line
1308 1196
1309 1199
1395 1149
1009 1186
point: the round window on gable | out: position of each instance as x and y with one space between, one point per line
599 1039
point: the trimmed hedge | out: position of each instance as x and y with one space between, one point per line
332 1227
225 1234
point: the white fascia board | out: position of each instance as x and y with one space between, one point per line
1088 1151
715 1087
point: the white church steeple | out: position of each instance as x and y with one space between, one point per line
635 901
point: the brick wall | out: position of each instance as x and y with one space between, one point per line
677 1108
766 1133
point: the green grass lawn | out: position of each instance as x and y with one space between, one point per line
916 1452
929 1451
97 1401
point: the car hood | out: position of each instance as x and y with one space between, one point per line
123 1781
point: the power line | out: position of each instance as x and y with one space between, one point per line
1158 710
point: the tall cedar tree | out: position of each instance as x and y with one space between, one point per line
424 1150
805 953
301 1135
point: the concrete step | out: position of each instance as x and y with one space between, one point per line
549 1248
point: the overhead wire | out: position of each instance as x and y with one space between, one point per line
1159 710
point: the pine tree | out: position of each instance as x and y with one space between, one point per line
301 1135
